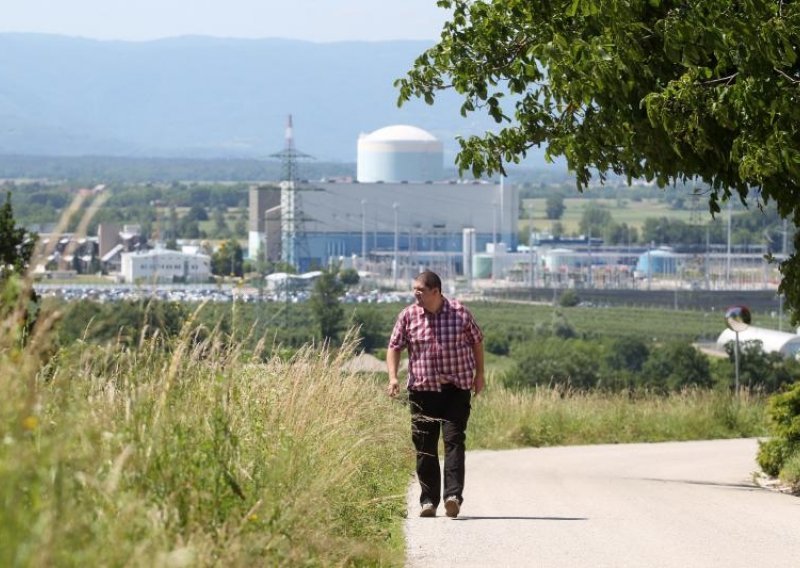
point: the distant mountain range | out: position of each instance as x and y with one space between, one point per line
201 97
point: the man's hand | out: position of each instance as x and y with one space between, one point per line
392 364
478 383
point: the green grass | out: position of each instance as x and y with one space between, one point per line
503 418
497 364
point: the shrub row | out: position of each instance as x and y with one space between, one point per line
634 363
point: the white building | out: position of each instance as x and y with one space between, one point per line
772 341
162 265
399 153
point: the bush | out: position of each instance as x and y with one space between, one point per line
791 472
126 321
761 370
772 454
553 361
627 354
349 277
496 342
783 413
326 307
558 327
676 365
568 299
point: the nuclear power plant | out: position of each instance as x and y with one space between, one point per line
398 216
399 153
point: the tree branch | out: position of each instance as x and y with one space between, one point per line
786 76
728 80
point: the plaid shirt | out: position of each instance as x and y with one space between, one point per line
439 345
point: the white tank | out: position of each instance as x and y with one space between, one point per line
399 153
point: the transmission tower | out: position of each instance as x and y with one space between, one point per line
696 216
293 236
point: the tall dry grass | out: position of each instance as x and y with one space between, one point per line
185 452
504 418
188 452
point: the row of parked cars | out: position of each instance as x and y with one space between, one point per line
200 293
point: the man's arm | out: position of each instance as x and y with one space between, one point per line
480 381
393 364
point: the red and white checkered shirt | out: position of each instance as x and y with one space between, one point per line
439 345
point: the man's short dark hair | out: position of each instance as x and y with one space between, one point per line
430 280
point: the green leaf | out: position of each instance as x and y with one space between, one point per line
573 9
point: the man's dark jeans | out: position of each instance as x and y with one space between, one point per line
430 411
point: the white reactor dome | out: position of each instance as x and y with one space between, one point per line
399 153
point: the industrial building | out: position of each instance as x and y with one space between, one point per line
398 216
600 266
163 265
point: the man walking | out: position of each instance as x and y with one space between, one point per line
445 363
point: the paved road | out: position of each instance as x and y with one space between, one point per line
683 504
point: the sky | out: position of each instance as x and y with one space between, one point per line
312 20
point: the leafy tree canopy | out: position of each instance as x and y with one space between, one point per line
372 327
325 304
676 365
349 277
661 90
554 206
595 219
228 259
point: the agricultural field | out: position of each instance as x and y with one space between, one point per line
654 324
614 321
211 226
633 212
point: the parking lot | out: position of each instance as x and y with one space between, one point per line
196 293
